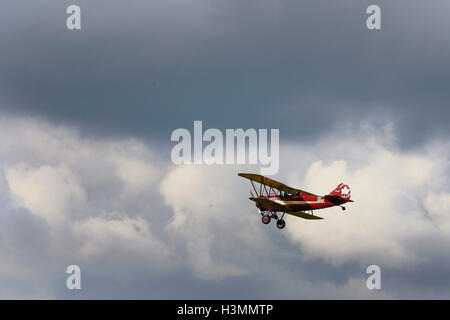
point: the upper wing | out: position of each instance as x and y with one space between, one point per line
272 183
304 215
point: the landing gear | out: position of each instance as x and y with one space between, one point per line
266 219
281 224
343 208
268 216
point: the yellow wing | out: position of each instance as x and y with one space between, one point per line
270 204
304 215
272 183
267 203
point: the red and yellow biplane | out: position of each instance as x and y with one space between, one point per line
273 196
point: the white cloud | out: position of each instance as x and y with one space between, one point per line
99 235
135 166
207 210
95 194
48 192
388 186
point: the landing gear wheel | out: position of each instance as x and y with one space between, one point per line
266 219
281 224
343 208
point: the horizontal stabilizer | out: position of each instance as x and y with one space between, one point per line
337 199
304 215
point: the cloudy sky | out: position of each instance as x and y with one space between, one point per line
86 176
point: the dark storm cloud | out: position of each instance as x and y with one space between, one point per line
146 68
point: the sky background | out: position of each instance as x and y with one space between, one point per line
85 170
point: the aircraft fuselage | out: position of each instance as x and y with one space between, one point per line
303 202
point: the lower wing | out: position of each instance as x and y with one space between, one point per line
304 215
266 203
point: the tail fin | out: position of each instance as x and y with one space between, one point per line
342 190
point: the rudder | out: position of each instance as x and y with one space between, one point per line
342 190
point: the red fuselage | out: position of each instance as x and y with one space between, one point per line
303 202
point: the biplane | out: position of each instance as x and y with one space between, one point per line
272 197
